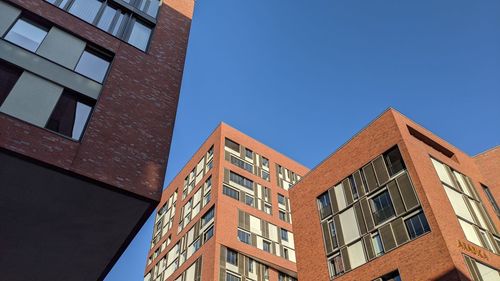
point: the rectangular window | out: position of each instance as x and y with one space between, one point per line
9 74
241 180
232 257
248 153
266 246
244 236
249 200
354 188
232 145
482 272
231 192
265 162
324 205
93 65
268 209
417 225
242 164
333 234
281 199
394 161
285 253
232 277
250 264
282 215
70 115
393 276
381 206
209 215
208 234
85 9
284 234
265 175
26 34
139 36
377 245
336 265
491 198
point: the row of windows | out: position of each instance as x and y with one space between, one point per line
246 159
113 18
249 199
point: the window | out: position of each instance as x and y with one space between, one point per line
266 246
150 7
354 188
106 19
284 234
333 234
232 145
207 216
243 236
491 198
487 273
85 9
417 225
282 215
265 175
393 276
265 162
230 192
208 234
250 264
93 66
207 198
9 74
248 153
281 199
242 164
268 209
26 34
232 277
197 245
336 265
394 161
377 245
139 36
210 165
285 253
232 257
70 115
248 200
241 180
210 151
382 208
280 170
324 205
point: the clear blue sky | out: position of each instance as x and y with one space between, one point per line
304 76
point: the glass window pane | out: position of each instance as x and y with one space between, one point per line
107 18
139 37
92 66
81 117
26 35
118 24
85 9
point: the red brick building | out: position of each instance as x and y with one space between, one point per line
226 215
88 96
397 202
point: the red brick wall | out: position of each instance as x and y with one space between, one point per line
128 138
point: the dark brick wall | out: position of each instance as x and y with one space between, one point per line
128 138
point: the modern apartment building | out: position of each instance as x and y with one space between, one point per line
88 96
397 202
226 215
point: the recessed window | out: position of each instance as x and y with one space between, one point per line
249 200
208 234
232 145
265 162
354 188
85 9
232 277
26 34
268 209
93 66
241 180
491 198
243 236
284 234
282 215
106 18
324 205
377 245
336 265
209 215
250 264
417 225
333 234
265 175
139 36
394 161
266 246
281 199
230 192
150 7
393 276
248 153
232 257
242 164
70 115
382 208
9 74
285 253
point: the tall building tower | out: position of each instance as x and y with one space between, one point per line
398 203
88 96
226 215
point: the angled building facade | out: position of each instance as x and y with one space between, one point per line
88 96
226 215
397 202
